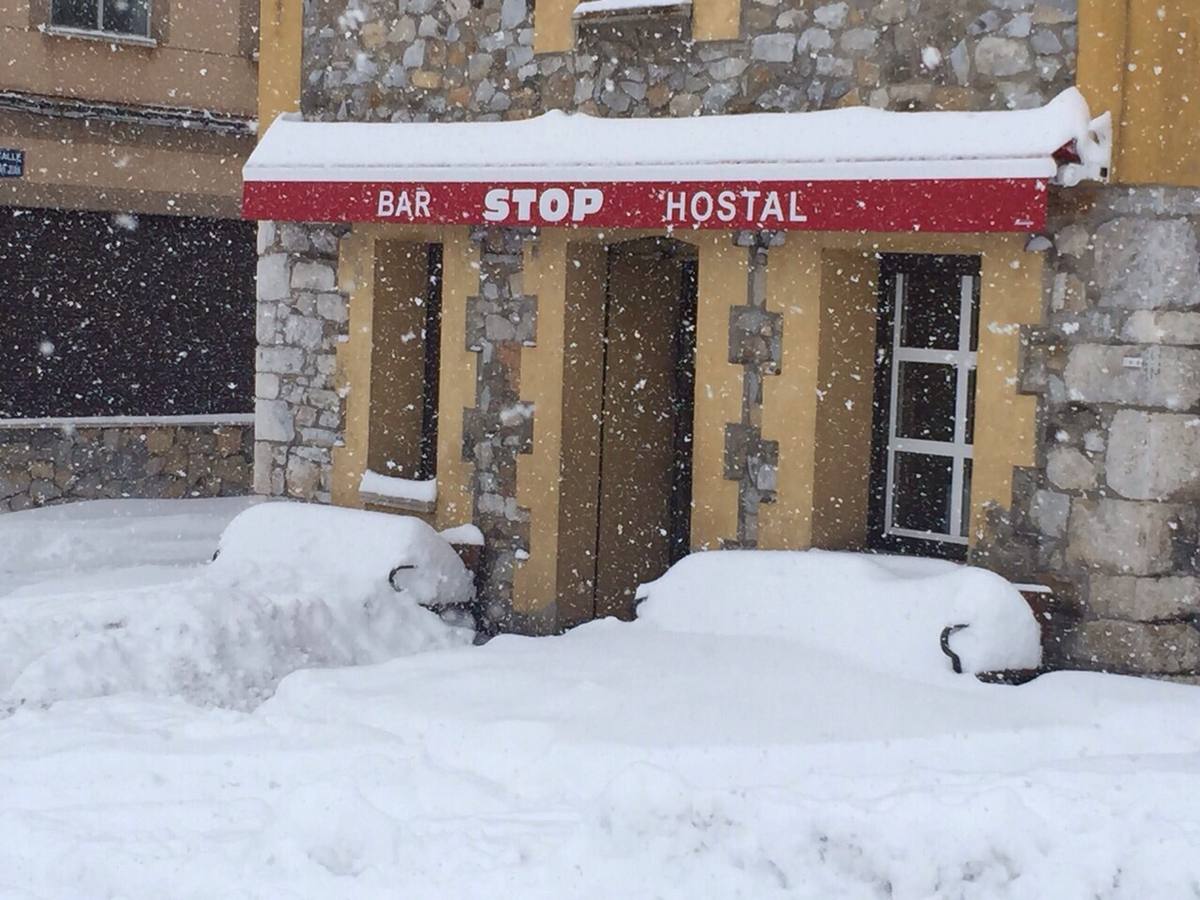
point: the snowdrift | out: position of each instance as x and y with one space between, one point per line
883 612
293 587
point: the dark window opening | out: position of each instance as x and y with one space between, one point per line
924 418
131 17
118 315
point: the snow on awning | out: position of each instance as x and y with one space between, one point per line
852 169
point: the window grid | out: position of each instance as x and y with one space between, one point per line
965 361
100 23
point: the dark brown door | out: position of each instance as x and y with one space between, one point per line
644 497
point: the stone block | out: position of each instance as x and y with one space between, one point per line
1147 263
1050 511
43 490
41 469
1002 57
13 483
756 337
266 386
1070 470
1154 456
279 360
303 478
332 308
273 277
831 15
1123 536
1162 376
311 275
266 237
304 331
1135 647
1144 599
1146 326
160 440
273 421
777 47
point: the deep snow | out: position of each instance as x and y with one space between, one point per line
667 758
294 586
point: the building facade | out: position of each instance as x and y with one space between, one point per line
126 272
977 362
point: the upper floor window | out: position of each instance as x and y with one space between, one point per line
131 17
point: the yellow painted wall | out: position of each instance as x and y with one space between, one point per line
281 42
724 269
1005 421
456 385
845 399
1140 59
356 278
789 411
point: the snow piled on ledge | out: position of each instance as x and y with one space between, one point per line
807 145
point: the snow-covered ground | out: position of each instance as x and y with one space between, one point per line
680 756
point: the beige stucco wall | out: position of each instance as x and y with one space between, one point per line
202 61
1140 59
125 168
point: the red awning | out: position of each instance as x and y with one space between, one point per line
840 170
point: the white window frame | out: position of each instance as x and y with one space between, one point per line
959 450
100 31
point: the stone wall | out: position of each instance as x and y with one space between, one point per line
1111 507
299 411
45 465
501 320
383 60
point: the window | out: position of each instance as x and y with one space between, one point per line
117 315
130 17
925 406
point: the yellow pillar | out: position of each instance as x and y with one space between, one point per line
456 381
723 274
356 279
1005 421
716 20
280 46
790 398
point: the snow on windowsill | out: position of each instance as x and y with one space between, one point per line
128 421
591 8
403 493
107 37
463 535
